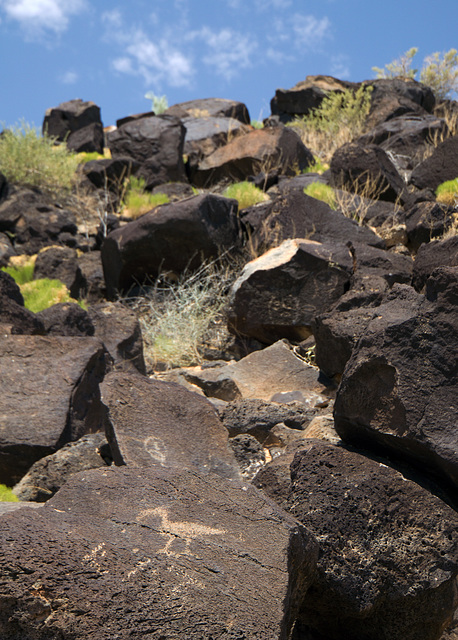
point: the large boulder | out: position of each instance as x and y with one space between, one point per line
210 108
279 294
156 144
439 253
388 548
395 97
296 215
441 166
13 314
161 553
399 388
60 263
305 96
50 396
262 150
151 422
427 220
366 169
68 117
66 319
173 237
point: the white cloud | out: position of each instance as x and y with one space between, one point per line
69 77
310 31
38 16
340 67
229 50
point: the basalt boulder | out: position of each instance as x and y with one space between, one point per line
441 166
439 253
173 237
13 314
211 108
399 389
61 121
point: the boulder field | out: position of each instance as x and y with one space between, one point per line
300 485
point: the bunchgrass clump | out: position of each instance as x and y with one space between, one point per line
339 119
30 159
318 166
7 495
246 193
323 192
139 201
43 293
180 318
21 272
447 192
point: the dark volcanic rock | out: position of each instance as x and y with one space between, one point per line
249 454
389 549
12 310
89 139
151 422
49 474
161 553
427 220
247 155
442 165
279 294
210 108
68 117
50 396
399 388
6 249
109 172
119 330
173 238
366 168
66 319
440 253
60 263
156 143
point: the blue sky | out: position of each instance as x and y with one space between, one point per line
114 52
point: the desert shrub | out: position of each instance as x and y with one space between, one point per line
138 201
33 160
246 193
159 104
6 494
317 167
339 119
87 156
322 192
447 192
257 124
180 318
21 270
439 71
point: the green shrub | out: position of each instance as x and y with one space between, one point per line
138 201
33 160
257 124
317 167
159 104
438 73
447 192
7 495
87 156
322 192
339 119
21 274
180 318
246 193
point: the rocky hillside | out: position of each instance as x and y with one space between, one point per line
297 479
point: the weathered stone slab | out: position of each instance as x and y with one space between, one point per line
161 553
153 422
50 396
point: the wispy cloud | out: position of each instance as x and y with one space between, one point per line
69 77
38 17
310 31
228 51
340 66
157 61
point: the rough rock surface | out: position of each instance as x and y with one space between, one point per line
71 116
156 143
124 551
153 422
389 549
173 238
13 314
426 221
66 319
47 475
399 388
442 165
50 396
439 253
60 263
211 108
279 294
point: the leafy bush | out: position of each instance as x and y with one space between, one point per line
447 192
257 124
339 119
159 104
7 495
439 73
180 318
138 201
246 193
33 160
322 192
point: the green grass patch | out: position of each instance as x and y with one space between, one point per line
317 167
21 274
246 193
139 201
30 159
257 124
447 192
43 293
322 192
7 495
